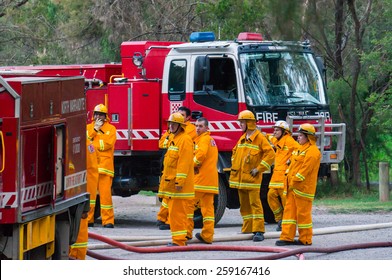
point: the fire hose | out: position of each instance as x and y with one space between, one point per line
279 251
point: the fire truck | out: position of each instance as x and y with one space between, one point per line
216 79
42 165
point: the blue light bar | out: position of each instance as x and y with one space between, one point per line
207 36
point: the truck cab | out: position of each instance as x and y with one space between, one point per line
275 80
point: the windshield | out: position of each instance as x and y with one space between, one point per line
280 78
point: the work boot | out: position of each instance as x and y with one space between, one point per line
297 242
90 225
159 222
164 227
259 236
284 243
108 226
279 227
171 244
198 236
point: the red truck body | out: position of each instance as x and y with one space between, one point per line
216 80
43 173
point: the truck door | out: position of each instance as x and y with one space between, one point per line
59 134
29 168
216 96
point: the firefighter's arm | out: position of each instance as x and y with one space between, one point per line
292 145
107 138
310 161
267 160
185 160
91 133
164 140
201 151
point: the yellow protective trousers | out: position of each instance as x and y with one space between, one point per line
297 213
205 201
163 214
251 211
178 220
276 200
78 250
93 197
190 206
93 180
105 196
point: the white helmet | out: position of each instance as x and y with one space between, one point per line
283 125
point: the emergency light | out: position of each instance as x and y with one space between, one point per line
207 36
248 36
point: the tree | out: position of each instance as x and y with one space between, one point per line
356 94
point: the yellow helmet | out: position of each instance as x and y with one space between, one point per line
307 128
246 115
177 118
310 131
249 117
100 108
283 125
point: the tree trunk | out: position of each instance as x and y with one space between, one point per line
339 44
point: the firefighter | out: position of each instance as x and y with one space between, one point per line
252 155
284 145
302 182
206 180
79 248
176 183
163 214
103 136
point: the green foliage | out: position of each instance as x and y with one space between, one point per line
87 31
31 29
367 202
227 18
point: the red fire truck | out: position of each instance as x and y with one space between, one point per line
215 79
42 165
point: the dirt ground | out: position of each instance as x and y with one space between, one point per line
135 219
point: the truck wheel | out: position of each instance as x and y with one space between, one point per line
219 206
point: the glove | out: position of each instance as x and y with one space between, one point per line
196 170
254 172
98 124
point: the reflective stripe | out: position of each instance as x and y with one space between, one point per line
307 195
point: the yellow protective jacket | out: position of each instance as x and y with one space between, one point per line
190 129
284 147
178 168
205 160
164 140
103 141
303 171
254 152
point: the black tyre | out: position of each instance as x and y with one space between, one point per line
220 202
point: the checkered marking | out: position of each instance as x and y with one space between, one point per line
174 107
